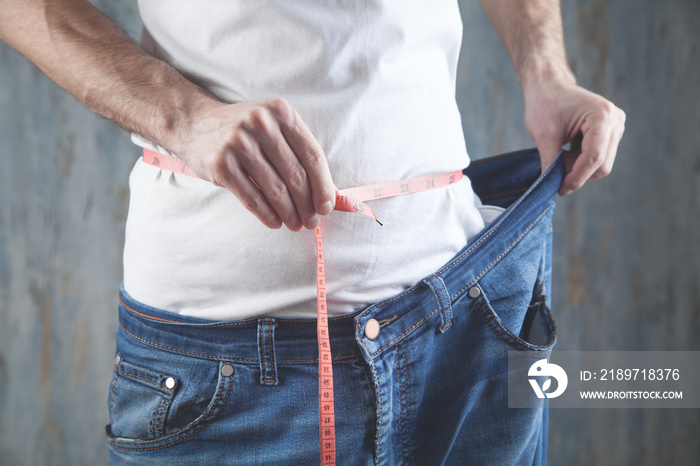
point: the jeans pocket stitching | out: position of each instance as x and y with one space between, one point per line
202 421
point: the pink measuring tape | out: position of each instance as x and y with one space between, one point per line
347 200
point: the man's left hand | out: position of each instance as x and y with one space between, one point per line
556 115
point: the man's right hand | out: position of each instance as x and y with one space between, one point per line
260 151
266 156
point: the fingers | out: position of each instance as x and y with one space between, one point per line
314 164
269 144
234 178
602 131
615 138
289 189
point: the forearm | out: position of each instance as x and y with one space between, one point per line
261 151
556 108
84 52
532 32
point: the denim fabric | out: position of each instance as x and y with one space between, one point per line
430 388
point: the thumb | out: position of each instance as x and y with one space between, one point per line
548 149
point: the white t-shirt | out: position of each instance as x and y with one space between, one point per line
375 83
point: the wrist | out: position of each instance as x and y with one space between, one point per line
545 77
183 106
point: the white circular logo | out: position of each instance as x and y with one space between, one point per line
544 368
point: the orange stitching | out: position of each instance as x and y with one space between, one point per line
291 361
129 374
183 351
419 323
382 303
310 320
384 322
160 319
228 358
145 315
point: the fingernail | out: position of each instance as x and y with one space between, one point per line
326 208
314 222
566 192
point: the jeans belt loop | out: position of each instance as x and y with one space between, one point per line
266 352
437 286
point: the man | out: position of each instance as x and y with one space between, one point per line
278 103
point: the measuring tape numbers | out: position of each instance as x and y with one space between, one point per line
347 200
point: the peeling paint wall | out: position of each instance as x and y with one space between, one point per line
63 203
627 249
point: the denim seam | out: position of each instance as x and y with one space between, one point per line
379 304
463 255
495 227
143 340
403 388
160 319
286 361
113 389
156 426
212 414
456 295
506 251
301 361
498 330
416 325
309 320
127 374
378 390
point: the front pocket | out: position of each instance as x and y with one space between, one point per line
529 328
139 400
201 389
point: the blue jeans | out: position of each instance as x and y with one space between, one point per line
429 388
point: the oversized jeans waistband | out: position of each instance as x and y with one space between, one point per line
510 180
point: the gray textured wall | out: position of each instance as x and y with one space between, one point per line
627 249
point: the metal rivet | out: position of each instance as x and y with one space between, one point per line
117 360
474 292
170 383
372 329
227 370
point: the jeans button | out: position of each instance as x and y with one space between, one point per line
474 292
372 329
170 383
227 370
